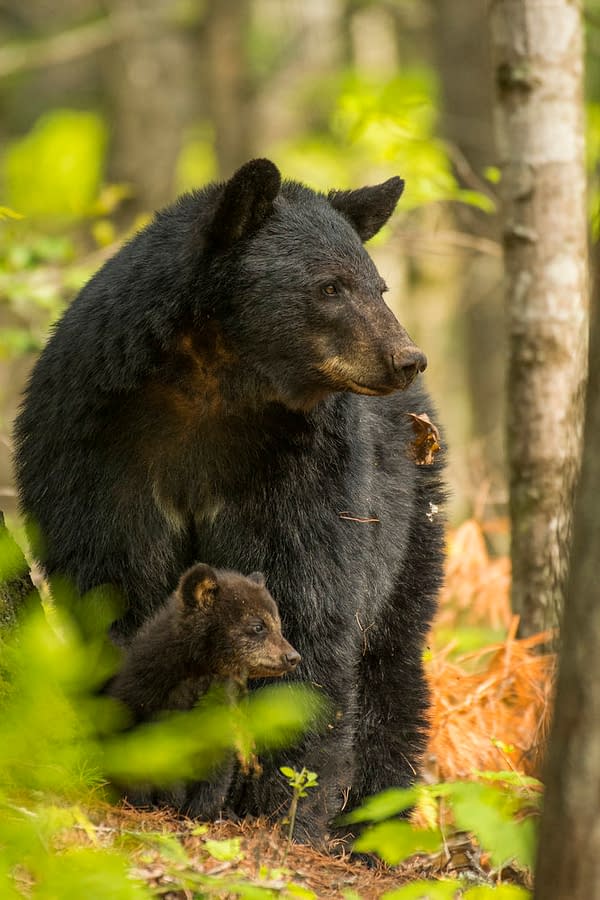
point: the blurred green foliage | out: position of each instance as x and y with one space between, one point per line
60 740
367 128
360 129
497 810
56 169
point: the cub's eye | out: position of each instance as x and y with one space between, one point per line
329 289
257 627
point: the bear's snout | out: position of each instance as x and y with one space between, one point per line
408 363
290 659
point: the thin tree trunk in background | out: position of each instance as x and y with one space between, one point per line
227 82
459 32
569 848
150 80
538 59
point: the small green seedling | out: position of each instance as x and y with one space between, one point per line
299 783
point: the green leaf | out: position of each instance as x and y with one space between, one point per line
394 841
502 892
383 806
168 845
492 174
424 890
80 872
228 850
298 890
245 890
56 169
489 813
508 776
7 213
289 773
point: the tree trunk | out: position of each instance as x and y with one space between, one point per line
152 89
569 850
226 76
459 30
539 112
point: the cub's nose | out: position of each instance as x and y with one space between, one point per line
409 358
291 658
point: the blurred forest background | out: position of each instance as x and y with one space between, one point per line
110 108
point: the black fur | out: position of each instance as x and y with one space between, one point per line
204 398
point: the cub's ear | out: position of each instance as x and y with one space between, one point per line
198 587
368 209
258 578
246 202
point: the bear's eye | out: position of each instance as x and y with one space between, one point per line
330 290
257 627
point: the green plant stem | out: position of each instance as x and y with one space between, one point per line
293 810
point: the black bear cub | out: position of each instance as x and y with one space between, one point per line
216 625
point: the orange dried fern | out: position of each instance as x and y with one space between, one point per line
490 708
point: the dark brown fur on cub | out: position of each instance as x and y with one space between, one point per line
217 625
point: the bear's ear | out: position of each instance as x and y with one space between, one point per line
246 202
199 586
258 578
368 209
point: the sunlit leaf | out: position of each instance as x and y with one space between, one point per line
226 850
424 890
7 213
56 169
394 841
384 805
502 892
490 814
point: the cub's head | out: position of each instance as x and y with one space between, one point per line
304 308
241 620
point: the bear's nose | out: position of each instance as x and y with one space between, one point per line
409 360
292 658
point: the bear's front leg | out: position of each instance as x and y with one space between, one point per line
327 750
208 799
392 724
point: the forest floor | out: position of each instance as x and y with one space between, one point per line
491 698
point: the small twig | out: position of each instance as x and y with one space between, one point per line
467 172
433 242
364 632
348 517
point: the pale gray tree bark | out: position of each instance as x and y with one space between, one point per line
569 849
537 50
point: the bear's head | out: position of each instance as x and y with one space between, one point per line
241 621
304 309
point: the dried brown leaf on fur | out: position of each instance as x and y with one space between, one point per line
426 442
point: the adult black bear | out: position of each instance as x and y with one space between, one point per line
216 627
232 387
